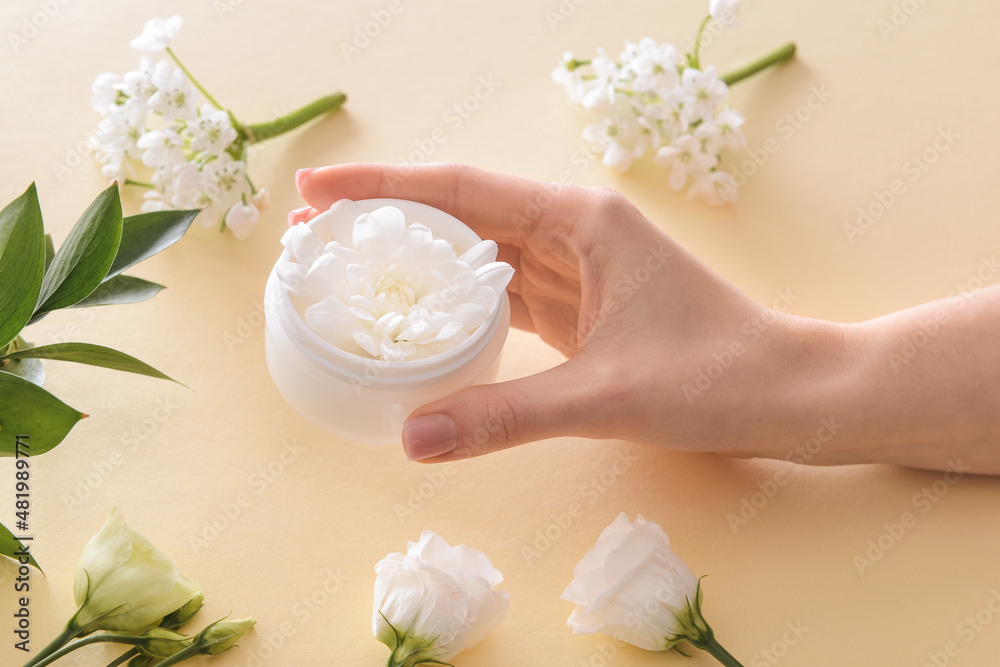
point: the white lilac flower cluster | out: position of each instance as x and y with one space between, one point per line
156 116
654 100
650 102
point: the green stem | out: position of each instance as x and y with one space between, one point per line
696 59
93 639
715 649
193 80
124 657
180 656
129 181
69 633
263 131
779 55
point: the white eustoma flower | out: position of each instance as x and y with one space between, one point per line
725 11
701 92
212 131
123 584
715 187
435 601
632 585
157 34
386 289
241 218
686 158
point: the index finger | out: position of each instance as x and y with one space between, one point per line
497 206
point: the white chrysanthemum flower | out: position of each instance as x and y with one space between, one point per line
390 291
157 34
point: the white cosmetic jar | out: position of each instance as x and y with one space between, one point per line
363 399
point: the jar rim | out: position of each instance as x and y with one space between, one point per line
329 355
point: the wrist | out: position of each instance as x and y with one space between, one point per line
806 397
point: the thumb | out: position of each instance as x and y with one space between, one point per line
486 418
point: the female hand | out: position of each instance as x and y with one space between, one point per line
660 349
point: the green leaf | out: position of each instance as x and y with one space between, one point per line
120 289
93 355
27 410
146 234
22 263
86 255
10 545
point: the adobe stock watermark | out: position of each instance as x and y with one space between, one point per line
562 12
773 654
899 16
453 118
751 505
967 630
785 129
228 513
273 639
365 34
913 169
724 358
99 471
923 502
424 491
589 493
32 24
929 328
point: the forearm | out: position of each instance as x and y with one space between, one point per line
918 388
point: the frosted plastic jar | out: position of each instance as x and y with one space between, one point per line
368 399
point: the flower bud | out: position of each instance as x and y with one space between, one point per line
181 616
162 643
221 635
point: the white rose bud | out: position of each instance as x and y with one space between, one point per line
123 584
633 587
435 601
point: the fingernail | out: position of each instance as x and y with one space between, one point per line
301 174
298 215
429 436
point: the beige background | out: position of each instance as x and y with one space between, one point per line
313 527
